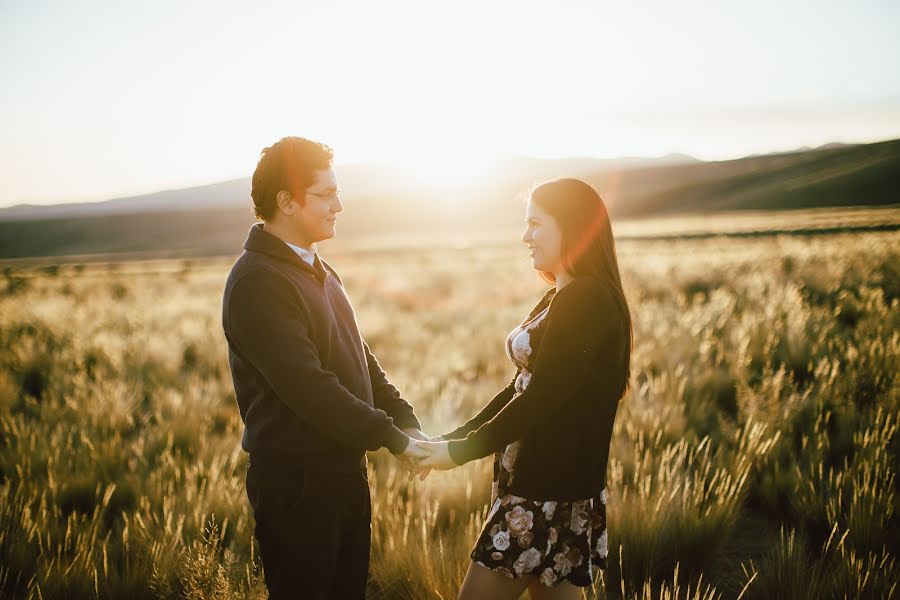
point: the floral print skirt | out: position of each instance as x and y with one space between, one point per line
553 540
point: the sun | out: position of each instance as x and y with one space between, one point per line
445 167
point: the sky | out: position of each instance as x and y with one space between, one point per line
104 99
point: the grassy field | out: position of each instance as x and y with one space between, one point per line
755 456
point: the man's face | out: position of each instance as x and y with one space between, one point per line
319 208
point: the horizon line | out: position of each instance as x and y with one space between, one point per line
174 187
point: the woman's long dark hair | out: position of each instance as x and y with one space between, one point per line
588 248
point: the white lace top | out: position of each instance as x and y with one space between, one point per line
518 348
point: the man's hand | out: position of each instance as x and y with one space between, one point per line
417 434
412 454
420 435
411 467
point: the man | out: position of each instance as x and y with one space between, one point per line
311 394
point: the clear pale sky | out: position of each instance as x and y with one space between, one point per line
102 99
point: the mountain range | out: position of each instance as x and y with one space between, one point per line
380 200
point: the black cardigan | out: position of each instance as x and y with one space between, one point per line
308 388
565 416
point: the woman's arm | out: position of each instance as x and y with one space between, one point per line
504 396
486 413
584 334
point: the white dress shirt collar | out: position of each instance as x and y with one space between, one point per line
308 256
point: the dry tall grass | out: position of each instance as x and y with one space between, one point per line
756 455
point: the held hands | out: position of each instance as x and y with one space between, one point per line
439 456
424 453
412 454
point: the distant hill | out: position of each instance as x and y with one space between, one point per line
219 194
357 181
213 219
866 174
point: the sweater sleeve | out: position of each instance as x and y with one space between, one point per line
486 413
504 396
267 324
584 333
387 396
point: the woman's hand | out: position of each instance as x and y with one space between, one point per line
440 456
423 473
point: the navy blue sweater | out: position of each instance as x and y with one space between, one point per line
308 387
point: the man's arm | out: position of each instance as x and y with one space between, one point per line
267 325
387 397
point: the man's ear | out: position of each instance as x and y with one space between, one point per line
283 200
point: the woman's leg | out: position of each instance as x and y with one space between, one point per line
562 591
480 583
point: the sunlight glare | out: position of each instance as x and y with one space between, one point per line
445 167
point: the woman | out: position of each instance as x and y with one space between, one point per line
550 429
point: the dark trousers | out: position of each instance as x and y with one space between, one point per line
314 531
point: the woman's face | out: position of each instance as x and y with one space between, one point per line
543 237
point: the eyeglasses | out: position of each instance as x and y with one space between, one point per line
332 197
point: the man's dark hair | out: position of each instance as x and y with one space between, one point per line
288 164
